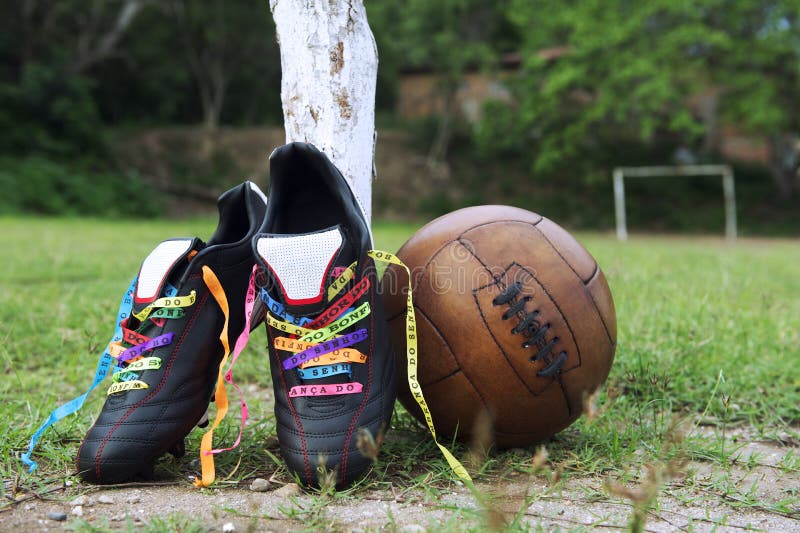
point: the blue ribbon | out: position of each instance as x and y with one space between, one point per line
323 371
103 366
277 309
169 292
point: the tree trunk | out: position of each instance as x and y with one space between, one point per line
213 87
437 153
329 63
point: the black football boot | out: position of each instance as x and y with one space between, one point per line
330 358
168 359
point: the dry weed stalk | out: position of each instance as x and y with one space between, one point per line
658 475
482 440
368 445
590 409
590 404
326 477
539 460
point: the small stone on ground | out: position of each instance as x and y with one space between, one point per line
80 501
290 489
260 485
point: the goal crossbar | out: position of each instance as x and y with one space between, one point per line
620 173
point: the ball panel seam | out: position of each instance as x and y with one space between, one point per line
597 308
466 376
564 259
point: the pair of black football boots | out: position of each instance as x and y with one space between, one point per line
329 354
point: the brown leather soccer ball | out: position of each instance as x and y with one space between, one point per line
514 319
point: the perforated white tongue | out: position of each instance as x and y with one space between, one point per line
155 268
300 262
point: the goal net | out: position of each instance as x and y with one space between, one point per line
728 192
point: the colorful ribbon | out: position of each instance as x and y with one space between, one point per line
240 344
411 358
104 364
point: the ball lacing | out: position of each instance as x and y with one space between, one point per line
530 326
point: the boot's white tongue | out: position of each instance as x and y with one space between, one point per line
157 266
300 262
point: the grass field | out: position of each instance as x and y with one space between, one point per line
708 360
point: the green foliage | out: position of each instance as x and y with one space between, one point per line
579 198
210 172
38 185
445 36
759 71
624 73
150 83
614 87
148 71
72 68
229 45
49 112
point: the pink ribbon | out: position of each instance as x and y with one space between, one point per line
241 342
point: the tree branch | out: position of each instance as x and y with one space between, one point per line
90 50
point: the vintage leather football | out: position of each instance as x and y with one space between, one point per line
514 319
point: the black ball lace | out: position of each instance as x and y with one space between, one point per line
534 331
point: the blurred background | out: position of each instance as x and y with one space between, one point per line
120 108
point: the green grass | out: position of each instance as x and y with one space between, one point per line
708 333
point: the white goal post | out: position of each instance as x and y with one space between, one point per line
620 173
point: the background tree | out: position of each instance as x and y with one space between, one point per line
46 105
628 69
602 83
221 40
75 34
758 74
446 37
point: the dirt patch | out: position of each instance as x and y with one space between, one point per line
343 101
747 495
193 167
337 58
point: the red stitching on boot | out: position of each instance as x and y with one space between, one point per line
367 389
292 410
156 390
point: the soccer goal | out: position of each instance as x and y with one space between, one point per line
729 194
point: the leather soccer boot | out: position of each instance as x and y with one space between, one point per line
332 367
176 324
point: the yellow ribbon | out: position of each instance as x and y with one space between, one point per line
323 334
340 355
166 301
411 358
339 283
126 385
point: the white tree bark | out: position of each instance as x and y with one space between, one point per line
329 65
